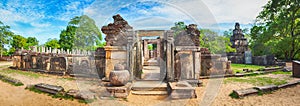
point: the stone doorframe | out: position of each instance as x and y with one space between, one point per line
130 55
165 49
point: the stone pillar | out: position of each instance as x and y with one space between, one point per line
114 55
170 55
146 51
158 48
187 63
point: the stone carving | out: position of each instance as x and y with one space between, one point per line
238 40
119 76
116 32
190 37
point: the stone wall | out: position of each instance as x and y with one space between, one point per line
296 69
60 62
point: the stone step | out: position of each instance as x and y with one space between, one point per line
149 92
149 86
150 64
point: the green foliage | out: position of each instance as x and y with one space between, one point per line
278 29
239 67
81 33
18 41
5 36
215 43
234 95
282 72
25 73
53 43
66 40
9 80
31 41
179 26
150 47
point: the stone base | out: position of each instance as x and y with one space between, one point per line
119 91
195 83
182 91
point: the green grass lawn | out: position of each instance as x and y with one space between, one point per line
257 81
238 68
282 72
25 73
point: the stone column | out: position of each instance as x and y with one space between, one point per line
170 55
146 51
114 55
158 48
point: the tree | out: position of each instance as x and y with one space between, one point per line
31 41
179 26
215 43
81 33
66 40
5 36
53 43
278 29
18 42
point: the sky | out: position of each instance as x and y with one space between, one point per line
45 19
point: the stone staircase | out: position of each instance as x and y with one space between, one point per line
149 88
150 62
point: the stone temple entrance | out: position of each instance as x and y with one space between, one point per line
150 48
176 62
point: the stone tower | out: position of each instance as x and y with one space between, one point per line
238 40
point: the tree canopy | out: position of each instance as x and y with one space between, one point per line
53 43
277 30
81 33
5 36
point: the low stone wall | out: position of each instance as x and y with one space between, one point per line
214 65
265 60
61 62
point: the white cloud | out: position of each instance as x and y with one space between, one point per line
243 11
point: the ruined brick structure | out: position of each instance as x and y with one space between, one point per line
116 32
238 40
243 54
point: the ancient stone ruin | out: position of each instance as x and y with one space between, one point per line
243 55
126 64
60 62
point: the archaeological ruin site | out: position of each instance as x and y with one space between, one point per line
150 53
175 67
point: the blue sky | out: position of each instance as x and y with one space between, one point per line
45 19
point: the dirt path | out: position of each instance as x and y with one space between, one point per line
11 95
18 96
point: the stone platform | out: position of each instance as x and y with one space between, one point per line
149 88
181 90
119 91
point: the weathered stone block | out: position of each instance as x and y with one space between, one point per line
52 89
119 91
181 90
245 92
296 69
267 88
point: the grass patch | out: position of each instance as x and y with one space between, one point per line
282 72
257 81
67 78
234 95
60 95
238 68
86 101
25 73
10 80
